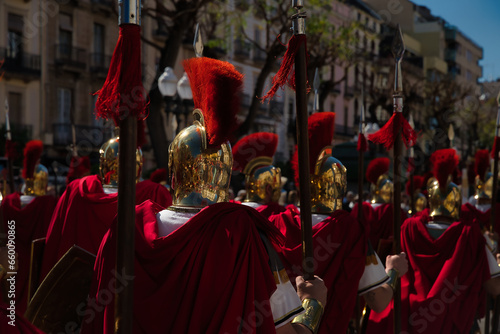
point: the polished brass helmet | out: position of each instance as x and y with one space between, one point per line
484 189
200 174
108 162
259 179
444 201
382 190
328 183
37 186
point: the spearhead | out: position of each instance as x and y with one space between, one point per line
398 49
198 42
316 84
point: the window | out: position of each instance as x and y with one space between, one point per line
64 105
15 108
15 36
468 55
65 34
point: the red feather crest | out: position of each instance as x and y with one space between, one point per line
321 127
159 175
482 163
260 144
376 168
32 153
216 87
444 162
418 184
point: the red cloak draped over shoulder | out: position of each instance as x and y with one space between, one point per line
483 218
29 223
82 217
269 209
340 246
156 192
442 291
85 212
211 275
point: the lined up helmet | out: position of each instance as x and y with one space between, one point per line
381 186
36 175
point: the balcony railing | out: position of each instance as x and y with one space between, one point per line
92 136
348 91
21 62
69 55
99 63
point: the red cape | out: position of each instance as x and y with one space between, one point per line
483 218
205 277
84 213
29 223
22 326
340 246
442 291
156 192
269 209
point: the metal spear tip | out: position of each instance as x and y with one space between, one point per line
198 42
398 45
316 82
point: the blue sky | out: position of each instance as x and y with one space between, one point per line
480 21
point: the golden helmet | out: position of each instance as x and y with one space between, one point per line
381 186
484 181
200 158
419 199
108 162
328 175
253 156
445 198
35 174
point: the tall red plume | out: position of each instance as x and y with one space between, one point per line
496 146
159 175
123 93
78 168
444 162
216 87
418 184
377 167
387 135
286 73
260 144
32 153
320 130
482 163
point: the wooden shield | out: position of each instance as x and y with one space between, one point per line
37 247
57 304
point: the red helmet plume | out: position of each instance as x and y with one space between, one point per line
482 163
260 144
376 168
418 184
216 86
32 153
444 162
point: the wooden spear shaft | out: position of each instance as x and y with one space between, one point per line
124 302
496 311
303 146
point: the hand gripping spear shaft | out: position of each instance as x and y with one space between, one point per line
299 29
